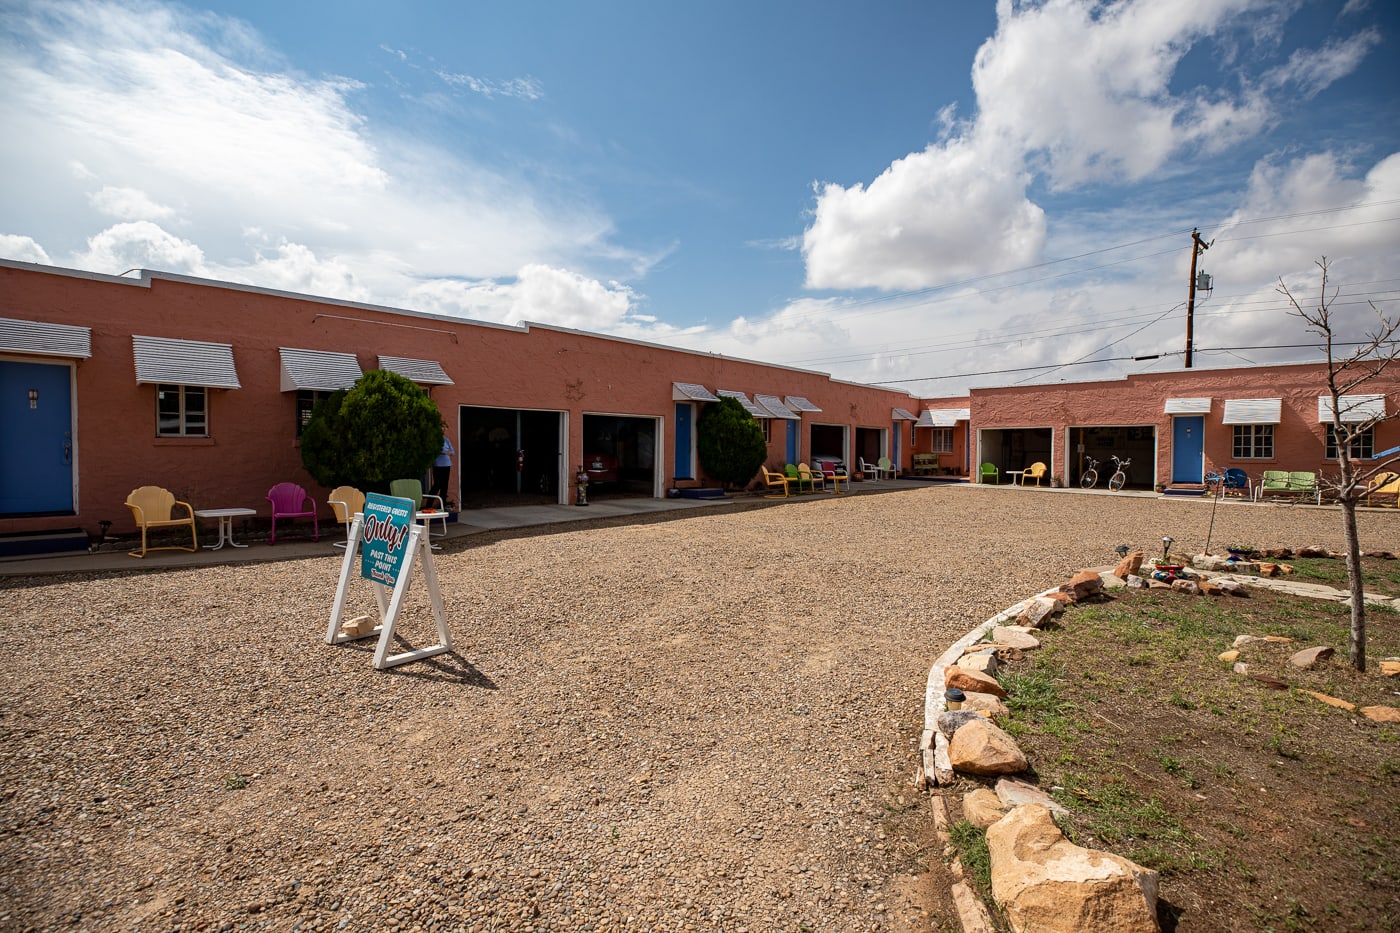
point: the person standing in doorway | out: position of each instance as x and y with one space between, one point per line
442 469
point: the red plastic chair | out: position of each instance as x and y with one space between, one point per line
291 501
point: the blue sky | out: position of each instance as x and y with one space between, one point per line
936 195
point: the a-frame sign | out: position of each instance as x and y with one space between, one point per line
388 542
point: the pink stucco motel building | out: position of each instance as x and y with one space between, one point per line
109 383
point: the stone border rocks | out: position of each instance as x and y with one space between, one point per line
1049 877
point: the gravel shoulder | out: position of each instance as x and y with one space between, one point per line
708 723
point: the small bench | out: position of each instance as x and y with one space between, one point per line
925 465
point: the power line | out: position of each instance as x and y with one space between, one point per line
1118 359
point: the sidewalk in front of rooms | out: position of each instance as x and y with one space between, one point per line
471 522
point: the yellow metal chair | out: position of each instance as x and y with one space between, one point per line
154 507
811 478
345 501
1385 486
773 480
1035 471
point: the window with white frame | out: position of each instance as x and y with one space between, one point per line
182 411
942 441
306 403
1253 442
767 425
1363 444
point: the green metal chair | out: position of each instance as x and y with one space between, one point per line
990 473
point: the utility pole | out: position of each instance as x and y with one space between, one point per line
1197 247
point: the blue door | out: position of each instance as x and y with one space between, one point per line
1188 448
685 414
36 423
792 432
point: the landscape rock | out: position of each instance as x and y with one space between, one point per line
1012 792
1221 564
1186 586
1383 555
1272 683
1210 588
1129 566
949 722
1085 584
1135 582
1048 884
1268 570
1233 587
971 681
982 662
1390 667
1230 656
979 747
987 705
1310 552
1038 611
982 807
1331 701
1015 636
1278 552
1240 668
1309 658
1381 713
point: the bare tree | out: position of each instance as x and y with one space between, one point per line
1354 420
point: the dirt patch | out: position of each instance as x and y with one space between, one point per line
1262 808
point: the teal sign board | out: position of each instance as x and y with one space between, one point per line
384 538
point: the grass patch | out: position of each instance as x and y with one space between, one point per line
971 846
1268 801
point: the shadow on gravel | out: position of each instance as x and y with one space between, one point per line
449 667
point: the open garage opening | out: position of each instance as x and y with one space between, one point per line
619 456
1137 443
510 456
1012 449
828 447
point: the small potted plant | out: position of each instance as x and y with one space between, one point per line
1057 481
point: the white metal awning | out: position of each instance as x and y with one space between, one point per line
164 360
1252 411
691 392
776 407
422 372
799 403
943 417
1355 408
45 339
743 399
1187 406
900 414
318 370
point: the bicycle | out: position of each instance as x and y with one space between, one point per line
1090 478
1120 475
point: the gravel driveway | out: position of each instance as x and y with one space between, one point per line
706 723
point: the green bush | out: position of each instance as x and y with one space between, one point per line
730 443
384 428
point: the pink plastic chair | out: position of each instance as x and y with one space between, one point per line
291 501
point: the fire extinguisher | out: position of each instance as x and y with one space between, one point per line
581 487
520 461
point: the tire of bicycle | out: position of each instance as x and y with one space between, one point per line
1117 480
1089 479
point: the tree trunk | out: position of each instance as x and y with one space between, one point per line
1356 651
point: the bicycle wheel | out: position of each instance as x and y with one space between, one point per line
1089 478
1116 482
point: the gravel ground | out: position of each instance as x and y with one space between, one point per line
706 723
